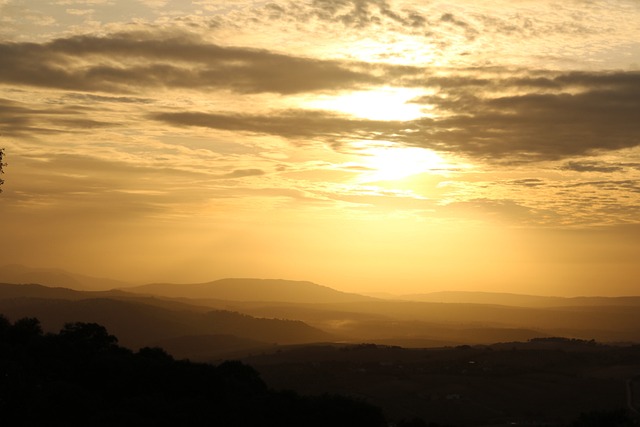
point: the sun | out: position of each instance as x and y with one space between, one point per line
387 103
386 162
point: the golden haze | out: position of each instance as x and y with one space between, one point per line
479 146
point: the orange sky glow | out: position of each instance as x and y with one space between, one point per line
367 145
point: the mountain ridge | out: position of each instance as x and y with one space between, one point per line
140 320
55 277
519 300
145 319
251 289
254 290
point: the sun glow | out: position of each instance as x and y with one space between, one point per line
380 104
389 163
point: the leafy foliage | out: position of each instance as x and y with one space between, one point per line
2 165
617 418
81 376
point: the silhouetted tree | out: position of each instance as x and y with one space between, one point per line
81 377
2 165
418 422
156 354
619 418
91 337
5 328
415 422
241 378
5 325
25 330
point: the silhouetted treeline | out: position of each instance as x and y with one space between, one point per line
616 418
2 165
563 340
82 377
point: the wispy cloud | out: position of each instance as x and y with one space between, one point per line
490 113
18 119
592 166
123 63
549 117
540 117
498 114
210 122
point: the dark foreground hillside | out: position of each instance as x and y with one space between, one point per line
550 382
82 377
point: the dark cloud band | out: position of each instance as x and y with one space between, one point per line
124 63
492 113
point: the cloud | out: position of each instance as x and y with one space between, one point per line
625 185
550 116
13 118
543 116
125 62
496 209
18 119
154 3
86 97
528 182
582 166
449 18
491 113
80 12
75 182
293 124
83 2
354 13
242 173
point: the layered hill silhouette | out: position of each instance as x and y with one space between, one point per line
143 322
81 376
264 290
15 273
310 338
205 320
517 300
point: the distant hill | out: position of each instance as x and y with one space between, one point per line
20 274
211 347
205 320
528 384
141 321
518 300
266 290
397 321
12 290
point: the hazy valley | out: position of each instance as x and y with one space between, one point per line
437 357
197 319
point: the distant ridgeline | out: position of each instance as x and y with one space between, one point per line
2 165
82 377
562 340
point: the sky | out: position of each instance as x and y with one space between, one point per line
367 145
